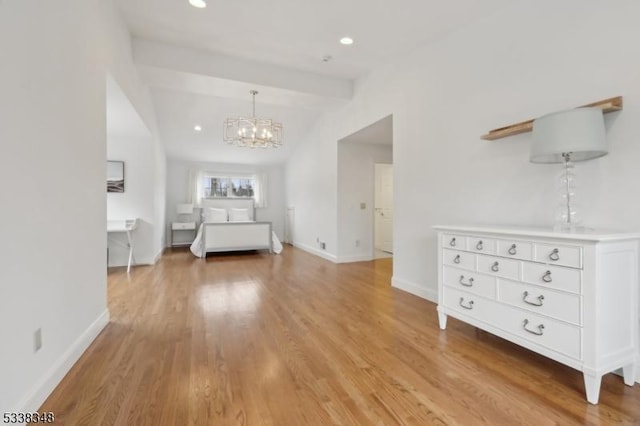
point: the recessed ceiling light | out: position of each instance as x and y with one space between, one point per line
197 128
346 41
200 4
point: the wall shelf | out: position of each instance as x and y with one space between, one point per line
607 105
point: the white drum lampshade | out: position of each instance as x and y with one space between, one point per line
184 208
577 132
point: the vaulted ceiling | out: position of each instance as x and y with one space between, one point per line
201 63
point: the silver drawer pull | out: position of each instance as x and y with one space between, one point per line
547 277
456 259
469 284
540 327
512 250
539 299
452 243
479 245
554 255
495 267
468 305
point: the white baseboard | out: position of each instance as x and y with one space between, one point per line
355 258
415 289
321 253
159 255
48 382
147 261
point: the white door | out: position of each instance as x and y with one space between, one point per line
383 239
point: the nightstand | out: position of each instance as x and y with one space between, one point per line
181 227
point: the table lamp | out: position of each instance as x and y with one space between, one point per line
565 137
184 209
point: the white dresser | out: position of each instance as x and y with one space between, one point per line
571 297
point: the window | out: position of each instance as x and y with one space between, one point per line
210 184
228 187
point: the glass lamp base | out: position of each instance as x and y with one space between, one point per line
569 227
567 218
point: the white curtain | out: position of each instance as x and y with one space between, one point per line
196 187
260 193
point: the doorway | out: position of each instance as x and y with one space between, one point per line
383 210
364 223
130 145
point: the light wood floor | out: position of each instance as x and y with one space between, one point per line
292 339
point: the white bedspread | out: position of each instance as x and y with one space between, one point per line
196 247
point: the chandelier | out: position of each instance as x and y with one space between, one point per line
253 132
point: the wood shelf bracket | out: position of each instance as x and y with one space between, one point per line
607 105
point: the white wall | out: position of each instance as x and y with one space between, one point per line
356 178
311 188
55 58
178 189
528 60
160 199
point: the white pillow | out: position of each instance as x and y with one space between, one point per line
213 215
239 215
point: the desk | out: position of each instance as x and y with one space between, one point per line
127 226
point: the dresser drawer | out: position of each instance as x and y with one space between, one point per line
498 266
555 277
468 304
558 255
515 249
481 245
555 335
457 242
459 259
541 300
183 226
482 285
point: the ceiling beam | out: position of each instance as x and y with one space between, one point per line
181 63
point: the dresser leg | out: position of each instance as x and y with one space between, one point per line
442 319
629 374
592 387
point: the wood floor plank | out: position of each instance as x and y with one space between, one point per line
291 339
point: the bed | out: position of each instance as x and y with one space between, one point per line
229 225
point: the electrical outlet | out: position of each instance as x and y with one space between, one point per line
323 246
357 243
37 340
363 206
